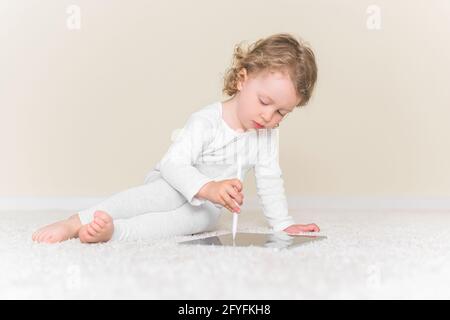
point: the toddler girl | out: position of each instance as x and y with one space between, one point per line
186 190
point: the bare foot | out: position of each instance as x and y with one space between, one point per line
58 231
99 230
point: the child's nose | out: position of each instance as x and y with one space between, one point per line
267 115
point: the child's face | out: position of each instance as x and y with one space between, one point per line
265 98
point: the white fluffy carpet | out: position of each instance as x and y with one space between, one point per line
368 255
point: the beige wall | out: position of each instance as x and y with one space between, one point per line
88 112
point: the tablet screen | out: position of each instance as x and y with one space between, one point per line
279 240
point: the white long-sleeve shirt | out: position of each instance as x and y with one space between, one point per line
206 149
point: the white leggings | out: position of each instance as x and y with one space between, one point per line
154 210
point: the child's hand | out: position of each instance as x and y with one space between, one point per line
225 193
297 228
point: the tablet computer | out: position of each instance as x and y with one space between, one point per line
278 240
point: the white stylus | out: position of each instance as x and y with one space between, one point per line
235 214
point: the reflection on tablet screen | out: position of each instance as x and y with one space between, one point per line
278 240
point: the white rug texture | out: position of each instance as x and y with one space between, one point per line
369 254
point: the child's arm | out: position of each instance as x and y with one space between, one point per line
269 186
270 190
177 165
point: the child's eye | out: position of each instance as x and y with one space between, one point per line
265 104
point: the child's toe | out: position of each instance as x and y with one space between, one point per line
103 216
36 236
85 236
41 236
91 230
100 222
96 226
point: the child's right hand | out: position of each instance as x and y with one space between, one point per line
224 192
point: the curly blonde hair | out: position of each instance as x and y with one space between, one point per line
278 52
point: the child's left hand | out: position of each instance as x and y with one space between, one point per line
297 228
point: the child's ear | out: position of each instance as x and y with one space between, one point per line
242 76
